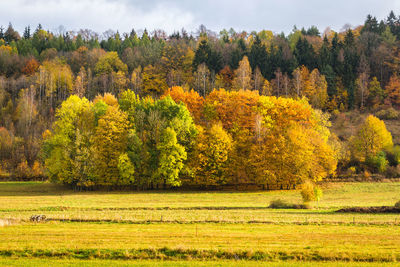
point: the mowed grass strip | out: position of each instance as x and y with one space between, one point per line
301 242
279 216
151 263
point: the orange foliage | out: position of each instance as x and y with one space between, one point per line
107 98
227 76
233 108
30 67
392 90
193 101
285 111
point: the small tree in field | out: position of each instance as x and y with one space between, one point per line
310 192
307 192
318 194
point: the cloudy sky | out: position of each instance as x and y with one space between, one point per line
170 15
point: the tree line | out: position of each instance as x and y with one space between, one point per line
335 71
232 138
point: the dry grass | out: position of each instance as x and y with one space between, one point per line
326 242
146 263
315 234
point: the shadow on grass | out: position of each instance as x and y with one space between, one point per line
50 189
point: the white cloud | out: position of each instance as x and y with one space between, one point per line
170 15
98 15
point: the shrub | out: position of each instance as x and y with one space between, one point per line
392 172
23 170
366 174
397 205
378 162
308 192
282 204
388 114
351 170
279 204
37 169
393 155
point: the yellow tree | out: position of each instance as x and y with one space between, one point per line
267 88
107 98
213 149
242 76
110 142
111 72
291 145
136 79
54 81
318 91
154 83
376 93
371 138
259 80
109 63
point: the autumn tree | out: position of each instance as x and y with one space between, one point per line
154 83
137 80
54 81
371 138
224 78
362 89
109 63
164 133
317 92
109 143
193 101
231 108
392 91
67 150
375 93
111 73
202 82
213 150
243 76
172 158
31 66
81 83
290 144
259 81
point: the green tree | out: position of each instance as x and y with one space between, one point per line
126 170
67 150
376 93
172 158
110 63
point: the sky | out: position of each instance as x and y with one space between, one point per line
171 15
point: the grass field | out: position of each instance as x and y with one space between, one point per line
196 228
108 263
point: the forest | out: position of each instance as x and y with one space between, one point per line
151 110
